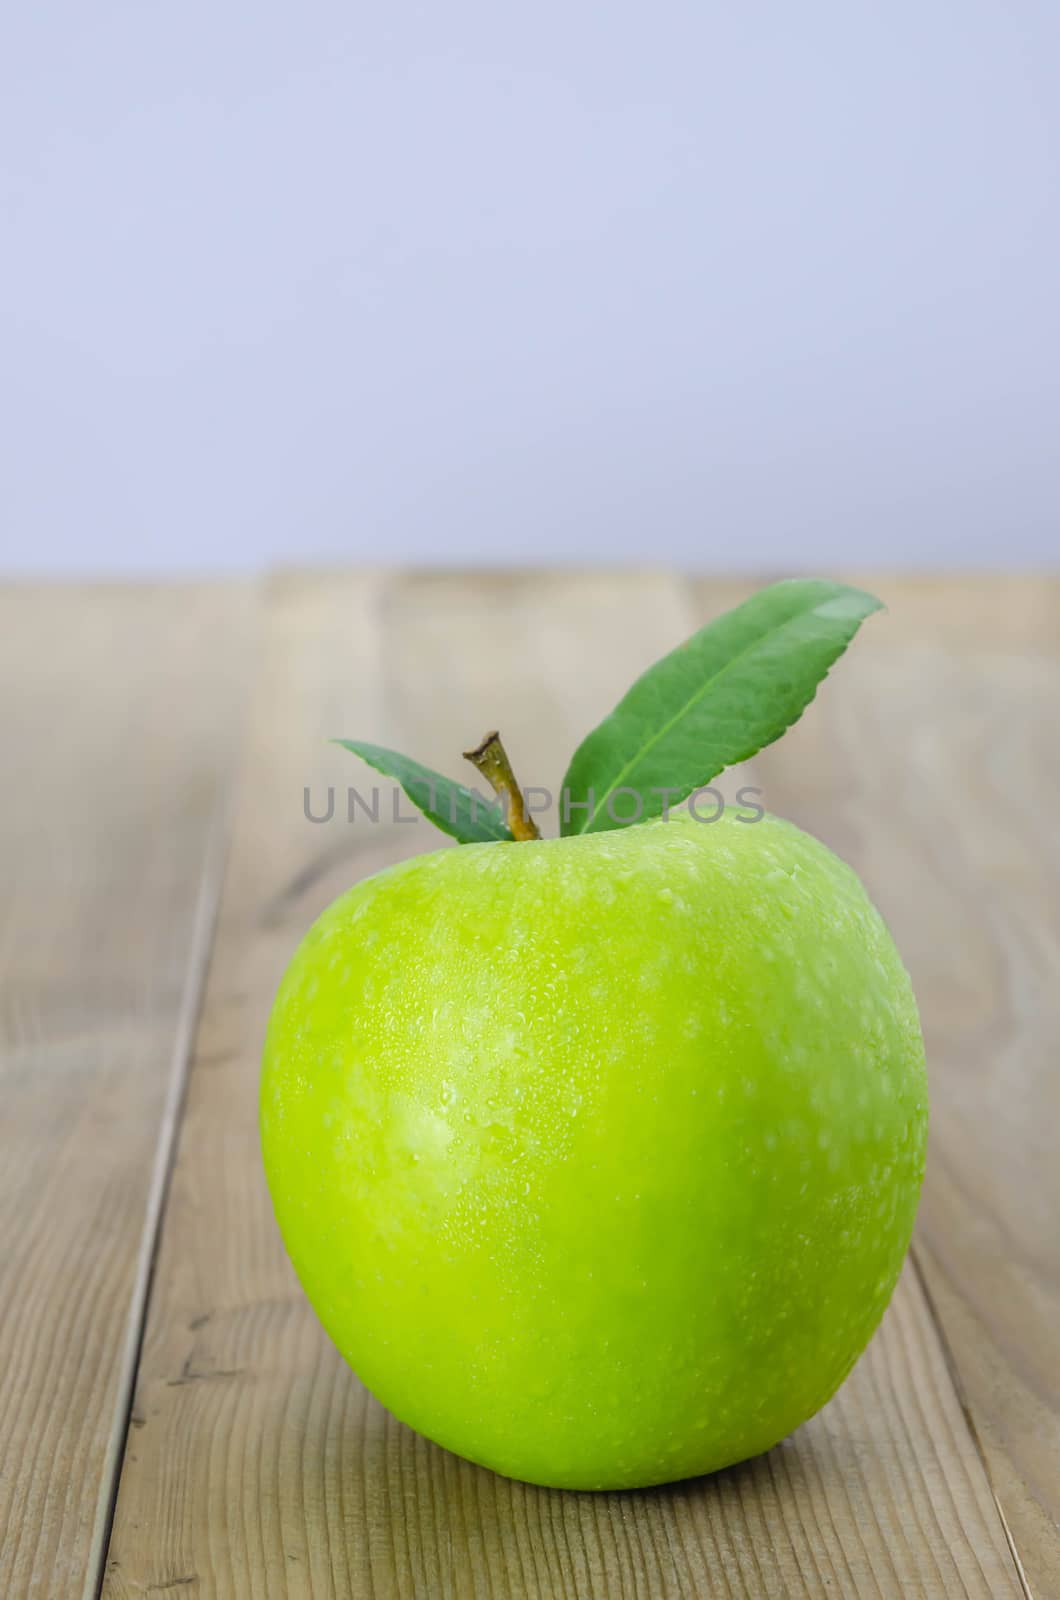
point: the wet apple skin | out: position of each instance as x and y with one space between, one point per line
599 1157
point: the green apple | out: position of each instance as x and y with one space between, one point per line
599 1156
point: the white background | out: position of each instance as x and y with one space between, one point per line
731 285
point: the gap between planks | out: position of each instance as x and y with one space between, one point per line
199 950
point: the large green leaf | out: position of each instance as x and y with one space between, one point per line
456 810
727 692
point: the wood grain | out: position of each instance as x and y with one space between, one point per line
117 714
932 765
256 1464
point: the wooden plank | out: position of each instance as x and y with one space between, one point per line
257 1466
932 765
117 717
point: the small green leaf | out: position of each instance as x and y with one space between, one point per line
720 697
459 812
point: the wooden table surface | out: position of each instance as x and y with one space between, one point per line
173 1421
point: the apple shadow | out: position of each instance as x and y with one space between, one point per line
383 1510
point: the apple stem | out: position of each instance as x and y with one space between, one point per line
491 759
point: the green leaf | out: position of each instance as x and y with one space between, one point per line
727 692
465 816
